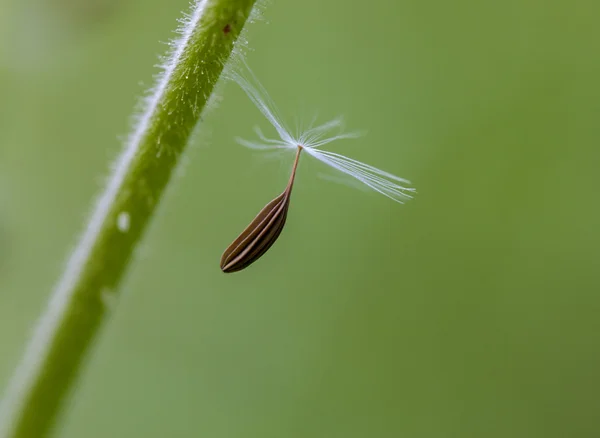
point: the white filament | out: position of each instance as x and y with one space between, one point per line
311 139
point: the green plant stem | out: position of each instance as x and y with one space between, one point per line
79 305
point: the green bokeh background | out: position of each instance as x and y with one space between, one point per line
472 311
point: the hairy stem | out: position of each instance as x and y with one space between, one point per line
78 306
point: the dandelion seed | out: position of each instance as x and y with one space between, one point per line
260 235
262 232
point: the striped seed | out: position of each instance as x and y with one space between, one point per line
262 232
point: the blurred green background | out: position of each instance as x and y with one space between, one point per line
472 311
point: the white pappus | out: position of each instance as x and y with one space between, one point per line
311 140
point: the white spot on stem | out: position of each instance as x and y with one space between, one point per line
123 222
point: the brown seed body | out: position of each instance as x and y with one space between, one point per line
262 232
